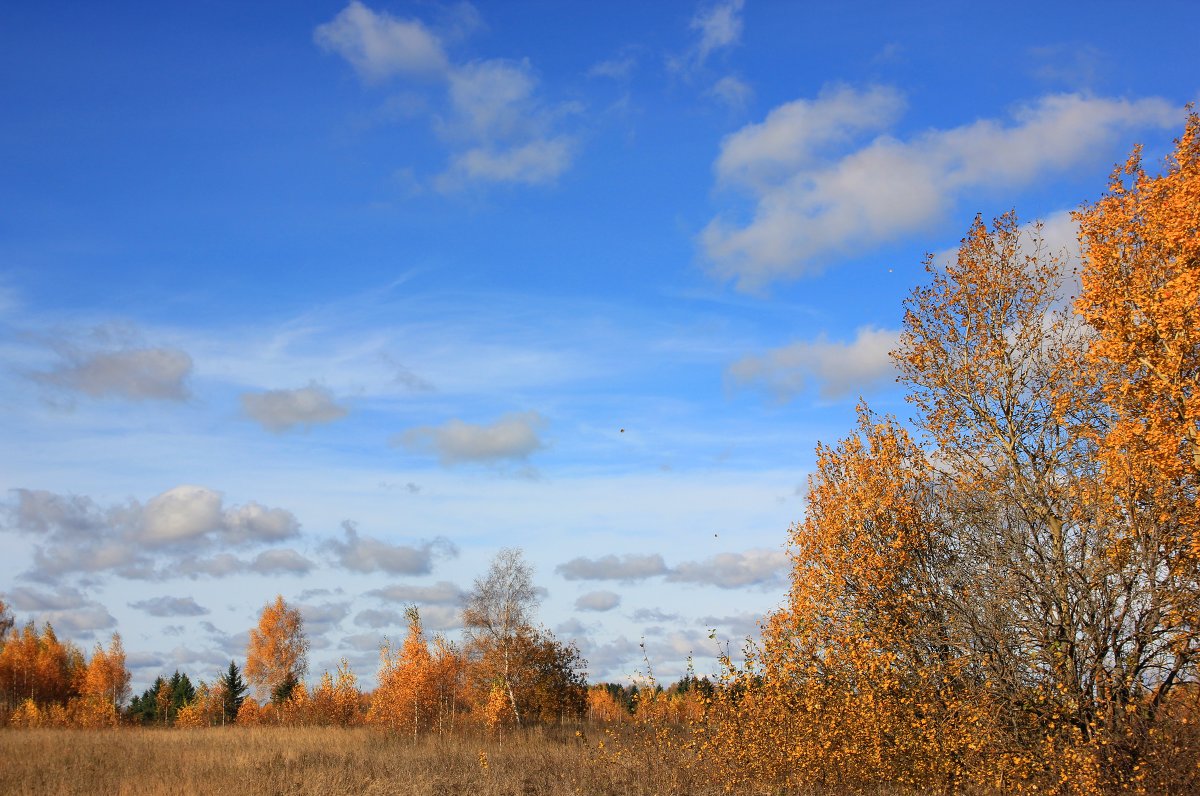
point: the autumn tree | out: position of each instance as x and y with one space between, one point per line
1009 599
337 700
37 666
406 699
547 677
498 609
277 653
107 676
7 622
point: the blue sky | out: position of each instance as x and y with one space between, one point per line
335 301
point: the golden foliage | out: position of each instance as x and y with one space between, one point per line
277 652
1014 603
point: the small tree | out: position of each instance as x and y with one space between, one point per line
498 609
233 693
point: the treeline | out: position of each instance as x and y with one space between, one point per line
423 685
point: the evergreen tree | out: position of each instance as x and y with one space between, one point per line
233 693
282 692
182 692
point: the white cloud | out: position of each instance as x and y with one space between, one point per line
718 26
539 161
733 570
380 46
364 554
320 619
67 609
499 129
443 592
813 204
186 514
630 567
795 134
732 91
170 606
513 436
839 368
74 534
375 618
619 68
136 374
282 410
598 601
280 561
181 514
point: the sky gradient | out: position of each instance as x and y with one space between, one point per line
335 301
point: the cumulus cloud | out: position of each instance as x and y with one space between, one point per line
320 619
443 593
185 514
498 126
507 131
375 618
827 179
654 615
365 554
283 410
733 570
281 561
726 570
532 163
839 368
630 567
66 608
513 436
170 606
598 601
74 534
379 45
144 374
743 625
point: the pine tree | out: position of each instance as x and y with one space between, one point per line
233 693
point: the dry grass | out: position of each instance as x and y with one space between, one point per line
311 760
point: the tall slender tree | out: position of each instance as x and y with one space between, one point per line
232 690
277 653
500 607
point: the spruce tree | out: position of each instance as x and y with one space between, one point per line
233 692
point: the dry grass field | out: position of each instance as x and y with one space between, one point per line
316 760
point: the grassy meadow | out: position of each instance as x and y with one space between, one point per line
319 760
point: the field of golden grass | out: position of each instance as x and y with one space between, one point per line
318 760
